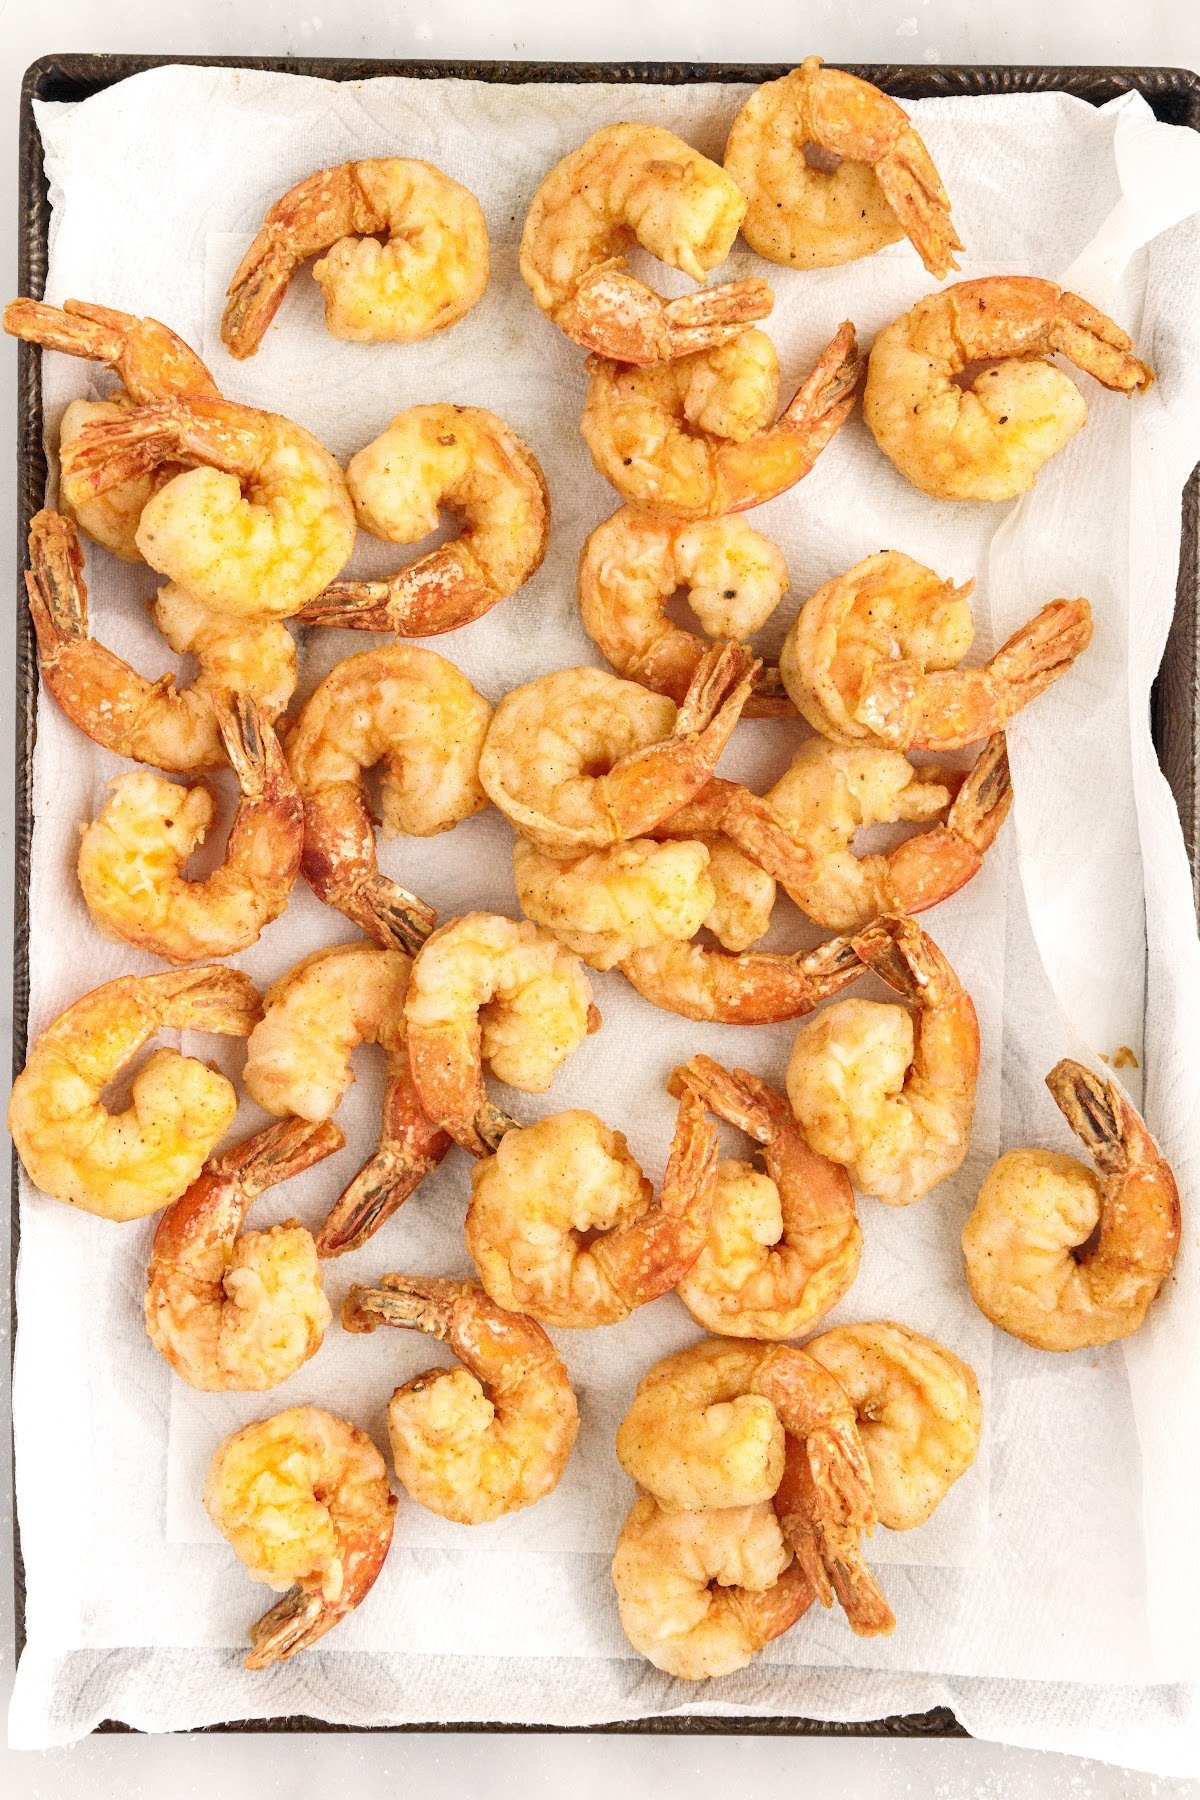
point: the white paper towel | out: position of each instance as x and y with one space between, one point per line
1043 1600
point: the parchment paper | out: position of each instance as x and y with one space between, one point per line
1045 1600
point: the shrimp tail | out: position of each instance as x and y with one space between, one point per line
109 452
338 863
253 749
425 1303
614 314
57 591
771 461
651 1256
913 189
276 1154
1095 1110
825 399
899 952
937 863
440 592
296 1620
718 690
212 998
737 1097
379 1189
1041 651
256 293
983 801
1095 343
95 332
713 316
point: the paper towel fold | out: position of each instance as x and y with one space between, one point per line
1043 1601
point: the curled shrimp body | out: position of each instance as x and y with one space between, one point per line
989 440
231 1308
918 1411
803 829
564 1226
412 711
698 1435
150 721
883 187
429 270
700 1593
490 1435
125 1165
755 987
259 521
1060 1257
131 856
607 904
698 437
783 1247
489 989
303 1500
872 658
577 759
690 1439
298 1061
634 563
468 461
888 1092
151 362
630 183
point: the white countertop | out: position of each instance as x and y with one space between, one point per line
444 1766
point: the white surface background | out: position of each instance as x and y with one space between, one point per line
1073 31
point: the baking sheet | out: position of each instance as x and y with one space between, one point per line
214 261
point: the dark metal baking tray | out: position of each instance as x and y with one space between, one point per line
1173 95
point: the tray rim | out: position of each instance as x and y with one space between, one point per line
1174 95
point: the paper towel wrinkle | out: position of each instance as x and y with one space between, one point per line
1053 1561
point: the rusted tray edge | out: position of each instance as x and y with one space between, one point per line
1173 95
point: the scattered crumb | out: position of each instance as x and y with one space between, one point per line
1121 1058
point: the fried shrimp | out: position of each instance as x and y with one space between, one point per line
783 1247
698 437
298 1061
989 440
564 1226
489 989
468 461
883 185
918 1411
125 1165
688 1441
231 1308
151 364
429 270
304 1501
412 711
887 1092
578 759
1060 1257
626 184
872 658
634 563
149 721
260 520
701 1593
757 987
131 856
492 1434
830 792
607 904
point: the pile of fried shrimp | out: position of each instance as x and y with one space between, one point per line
763 1455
